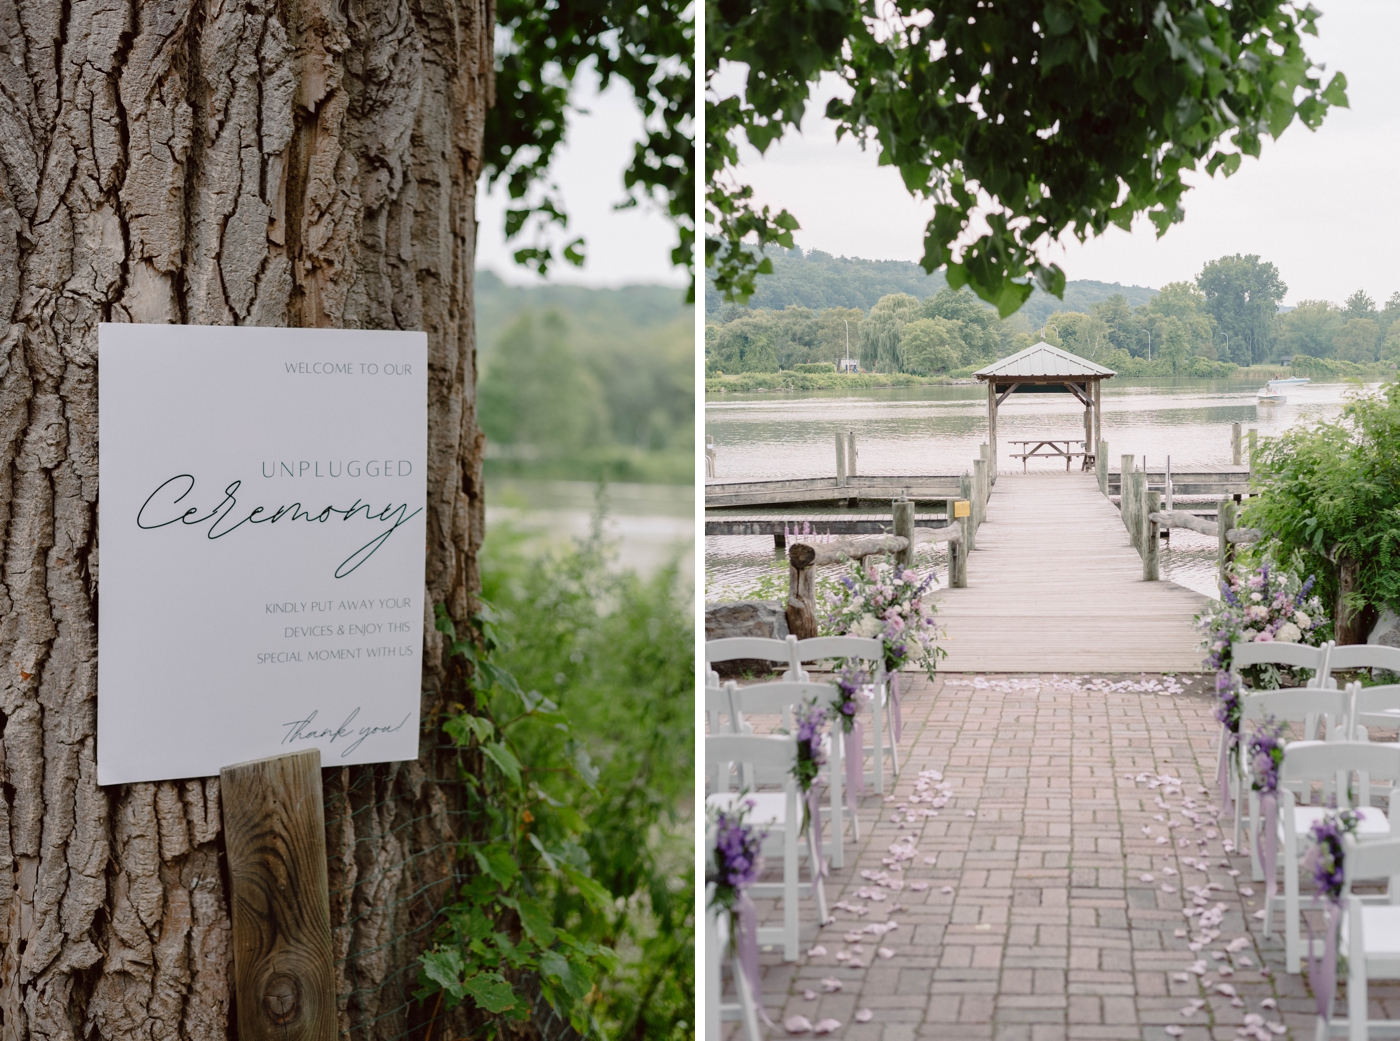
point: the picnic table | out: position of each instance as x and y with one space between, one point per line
1054 450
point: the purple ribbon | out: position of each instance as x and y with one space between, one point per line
814 830
894 704
746 944
1268 811
1322 975
855 772
1222 770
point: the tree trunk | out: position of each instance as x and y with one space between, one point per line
1347 627
301 163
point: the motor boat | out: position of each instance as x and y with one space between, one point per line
1290 382
1270 396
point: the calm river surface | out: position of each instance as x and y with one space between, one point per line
936 430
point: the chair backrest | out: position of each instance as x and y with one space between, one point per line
1294 655
1370 859
770 751
1298 703
822 647
1365 656
1334 762
1376 699
780 698
719 719
760 647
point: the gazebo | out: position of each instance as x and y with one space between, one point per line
1043 369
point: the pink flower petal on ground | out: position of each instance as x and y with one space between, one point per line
946 889
884 952
810 995
1277 1028
827 1026
930 860
864 1015
855 963
1268 1003
797 1025
853 937
1246 891
830 985
1175 1030
918 887
817 951
972 813
1145 878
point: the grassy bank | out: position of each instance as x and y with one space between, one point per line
611 463
750 382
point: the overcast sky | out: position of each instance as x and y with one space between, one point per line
622 247
1323 207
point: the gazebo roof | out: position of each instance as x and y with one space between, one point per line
1041 361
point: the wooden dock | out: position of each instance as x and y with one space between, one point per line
1055 586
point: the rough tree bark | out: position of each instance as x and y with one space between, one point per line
270 162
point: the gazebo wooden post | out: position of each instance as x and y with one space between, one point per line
1098 413
992 428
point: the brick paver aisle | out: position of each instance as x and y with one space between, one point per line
1051 928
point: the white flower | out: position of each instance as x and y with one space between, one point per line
857 603
1256 596
1248 635
868 626
1288 633
1304 622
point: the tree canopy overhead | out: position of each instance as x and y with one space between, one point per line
1021 120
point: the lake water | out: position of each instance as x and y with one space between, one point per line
937 430
650 525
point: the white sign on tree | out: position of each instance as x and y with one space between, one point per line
262 522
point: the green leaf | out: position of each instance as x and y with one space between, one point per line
445 967
462 728
490 991
498 862
535 921
590 889
505 759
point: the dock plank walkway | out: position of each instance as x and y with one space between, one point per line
1063 596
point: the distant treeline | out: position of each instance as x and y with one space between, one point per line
1227 317
586 383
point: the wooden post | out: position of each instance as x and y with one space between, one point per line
1101 466
957 551
1253 445
1098 412
709 456
1125 493
801 607
840 461
1151 553
969 529
903 511
275 835
992 426
1088 435
1169 483
851 469
779 542
979 490
1225 550
1235 446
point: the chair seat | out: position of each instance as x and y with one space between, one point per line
769 808
1380 924
1372 824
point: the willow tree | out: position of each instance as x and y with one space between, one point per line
304 163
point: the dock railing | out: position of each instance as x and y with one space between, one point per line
1144 517
964 514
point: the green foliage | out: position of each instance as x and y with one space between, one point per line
932 345
1357 340
578 866
881 334
1242 295
539 50
753 382
588 383
1332 492
1030 120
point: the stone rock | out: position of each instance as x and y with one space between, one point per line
764 618
1386 633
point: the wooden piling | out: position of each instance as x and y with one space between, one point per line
1225 549
1253 445
851 469
957 551
801 608
1151 555
283 963
1235 446
969 529
903 511
709 456
979 489
1101 464
840 461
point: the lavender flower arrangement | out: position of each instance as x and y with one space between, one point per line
1266 755
1325 857
1227 706
892 605
1263 605
736 860
849 682
810 757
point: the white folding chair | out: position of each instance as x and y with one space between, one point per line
1364 656
1332 763
1307 705
717 1010
719 719
1370 936
870 652
780 815
1375 707
781 699
740 648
